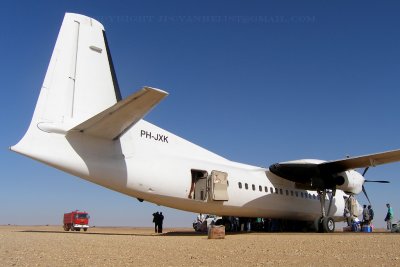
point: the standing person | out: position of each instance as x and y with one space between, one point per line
248 224
155 221
371 214
389 217
160 222
347 216
200 218
365 215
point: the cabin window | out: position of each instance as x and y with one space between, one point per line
240 185
287 192
260 188
246 186
271 190
291 192
281 191
276 190
253 187
266 189
297 193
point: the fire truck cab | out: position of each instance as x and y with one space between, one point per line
76 220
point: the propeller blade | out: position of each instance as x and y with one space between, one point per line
365 193
382 182
365 171
371 181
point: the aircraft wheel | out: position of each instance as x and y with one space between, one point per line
328 225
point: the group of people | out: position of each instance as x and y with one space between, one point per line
368 216
158 219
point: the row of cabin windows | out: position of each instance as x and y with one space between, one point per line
280 191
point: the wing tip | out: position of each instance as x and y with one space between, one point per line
156 89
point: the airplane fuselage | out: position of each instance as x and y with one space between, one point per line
155 165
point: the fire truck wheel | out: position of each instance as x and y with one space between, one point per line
85 229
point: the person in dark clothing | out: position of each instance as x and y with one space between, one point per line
371 214
365 215
156 216
160 222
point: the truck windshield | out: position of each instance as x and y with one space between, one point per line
82 216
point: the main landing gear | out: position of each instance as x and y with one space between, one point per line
325 224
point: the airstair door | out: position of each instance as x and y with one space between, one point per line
219 185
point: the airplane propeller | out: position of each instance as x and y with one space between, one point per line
370 181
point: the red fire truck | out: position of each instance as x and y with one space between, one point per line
76 220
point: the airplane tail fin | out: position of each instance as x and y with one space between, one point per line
80 91
80 81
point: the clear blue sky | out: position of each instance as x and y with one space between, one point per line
255 81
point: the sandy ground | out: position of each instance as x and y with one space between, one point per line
51 246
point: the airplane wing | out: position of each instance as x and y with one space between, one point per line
371 160
115 120
324 174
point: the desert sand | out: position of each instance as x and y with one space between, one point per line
107 246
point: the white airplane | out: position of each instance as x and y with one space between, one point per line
83 127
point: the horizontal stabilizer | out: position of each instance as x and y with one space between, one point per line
114 121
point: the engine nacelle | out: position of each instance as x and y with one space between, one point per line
350 182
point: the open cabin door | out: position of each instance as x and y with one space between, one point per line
198 190
219 186
206 187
